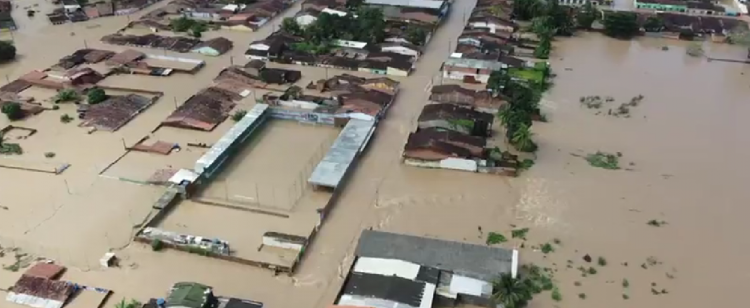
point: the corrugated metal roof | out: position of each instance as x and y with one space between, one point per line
425 4
387 267
474 63
352 139
229 138
476 261
471 286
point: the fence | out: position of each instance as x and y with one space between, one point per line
264 195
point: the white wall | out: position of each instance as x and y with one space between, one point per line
387 267
459 164
273 242
460 76
401 50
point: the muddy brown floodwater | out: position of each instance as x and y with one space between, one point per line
685 141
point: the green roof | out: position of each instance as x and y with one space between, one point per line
188 294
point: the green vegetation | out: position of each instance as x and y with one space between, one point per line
7 51
556 296
96 95
603 160
13 111
653 24
577 283
495 238
516 116
528 74
519 233
129 304
582 295
184 24
656 223
547 248
621 24
66 95
198 250
465 123
591 271
510 292
157 244
237 116
416 34
602 261
586 15
369 26
66 118
49 154
695 50
625 283
625 296
10 148
526 164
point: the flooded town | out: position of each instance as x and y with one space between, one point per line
372 153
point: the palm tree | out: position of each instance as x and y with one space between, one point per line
510 292
522 138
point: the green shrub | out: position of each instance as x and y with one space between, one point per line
157 245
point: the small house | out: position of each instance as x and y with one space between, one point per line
493 24
456 118
471 69
214 47
190 295
406 49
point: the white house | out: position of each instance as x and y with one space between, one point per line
401 48
479 70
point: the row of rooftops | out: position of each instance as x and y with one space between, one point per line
172 43
251 15
428 12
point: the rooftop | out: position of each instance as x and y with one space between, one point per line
473 63
427 4
334 165
475 261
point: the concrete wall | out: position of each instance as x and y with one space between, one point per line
305 116
448 163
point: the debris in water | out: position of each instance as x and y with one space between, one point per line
587 258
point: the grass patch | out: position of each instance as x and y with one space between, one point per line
604 160
529 75
601 261
519 233
10 148
547 248
656 223
591 271
495 238
556 296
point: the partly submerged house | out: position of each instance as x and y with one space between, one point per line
36 291
471 70
214 47
398 270
456 118
190 295
479 100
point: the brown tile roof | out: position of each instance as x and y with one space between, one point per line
115 112
417 141
220 44
15 86
125 57
45 270
97 55
451 111
43 288
204 110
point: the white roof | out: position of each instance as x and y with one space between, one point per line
352 44
387 267
183 175
425 4
471 286
332 12
353 138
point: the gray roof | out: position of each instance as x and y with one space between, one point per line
352 139
476 261
424 4
474 63
229 138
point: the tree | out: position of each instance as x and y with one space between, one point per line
543 25
416 35
354 5
7 51
653 24
521 139
13 111
96 95
740 35
66 95
562 19
498 81
586 15
622 25
289 25
527 9
196 33
510 292
543 49
371 24
181 24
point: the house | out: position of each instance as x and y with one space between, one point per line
456 118
381 84
214 47
493 24
254 54
190 295
482 101
254 67
399 270
399 68
662 5
471 69
415 15
40 292
125 57
439 144
203 13
402 48
307 17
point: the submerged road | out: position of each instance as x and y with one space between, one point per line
381 161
